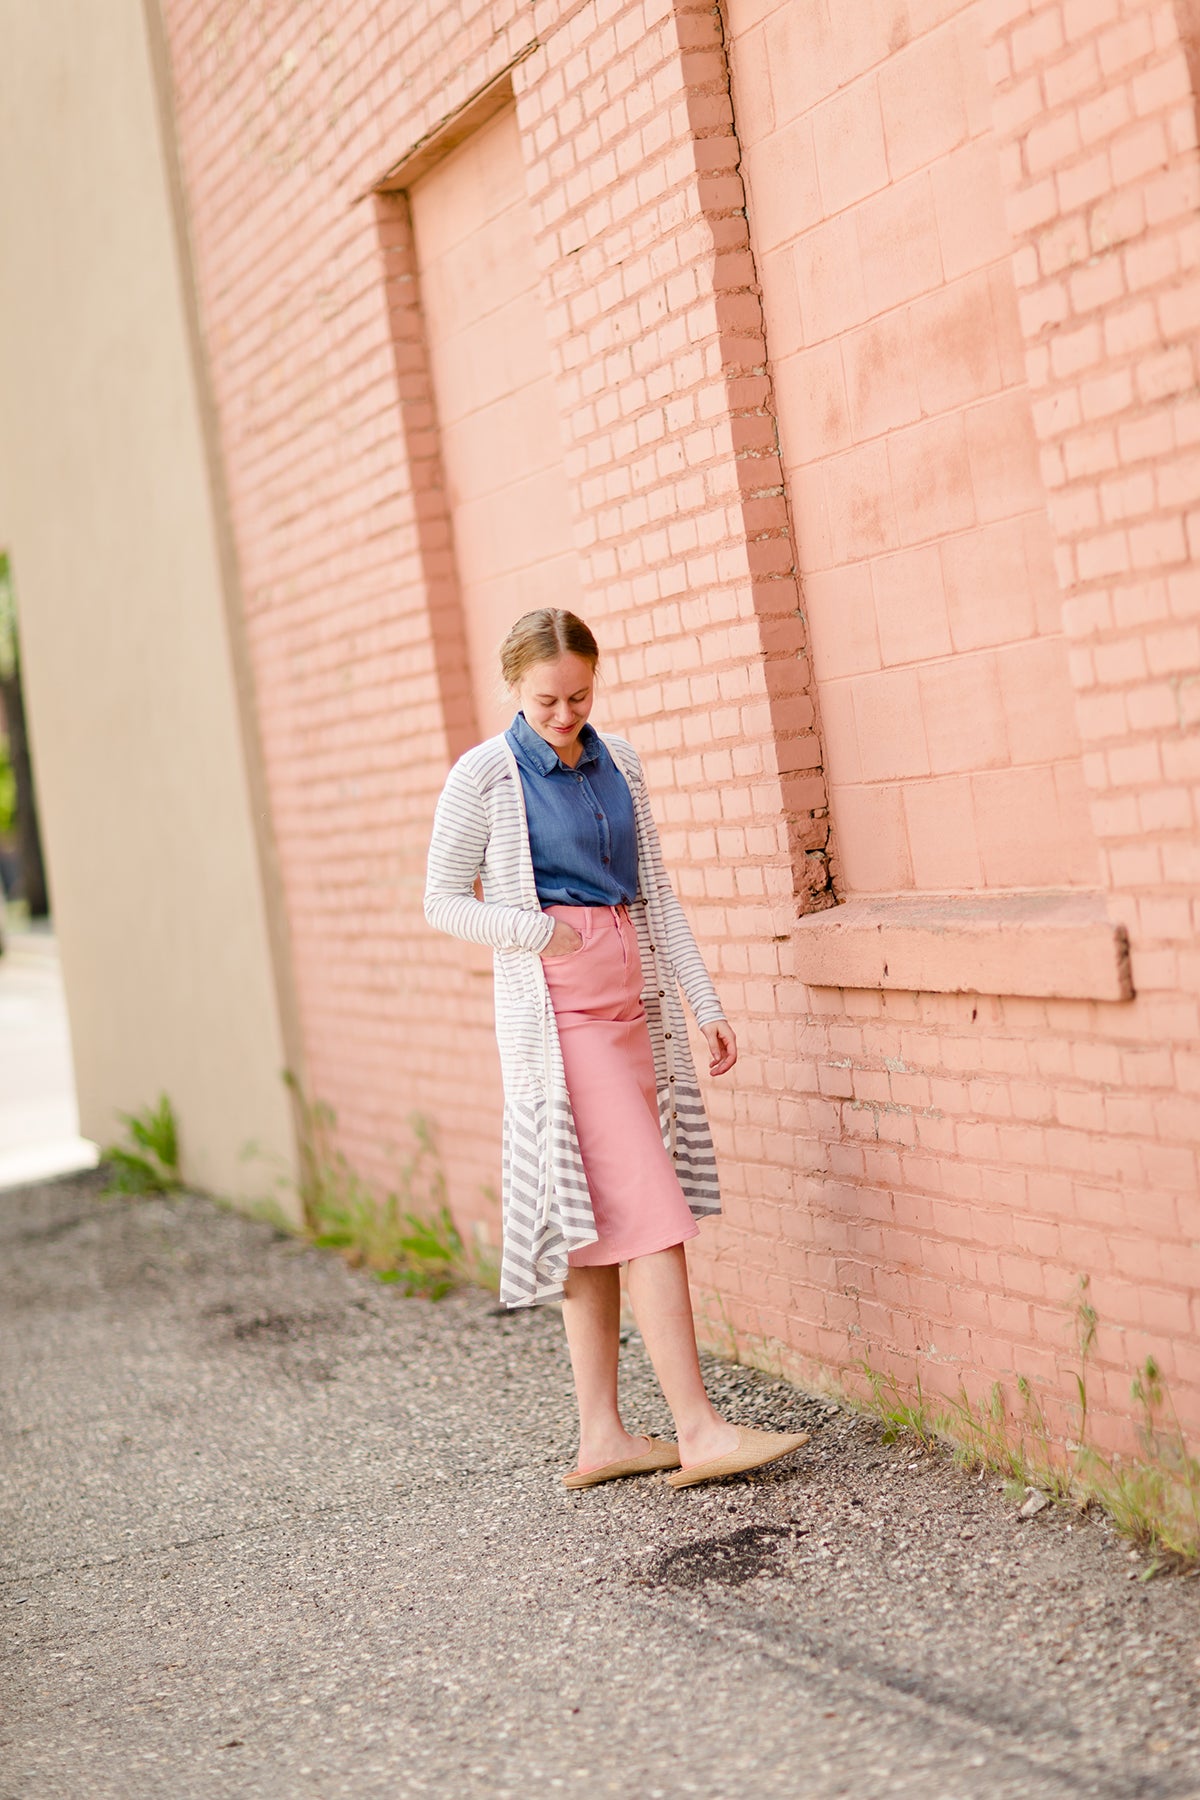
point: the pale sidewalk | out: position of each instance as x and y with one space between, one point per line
39 1122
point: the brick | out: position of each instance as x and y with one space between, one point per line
910 606
1138 152
876 858
964 714
987 586
1085 182
1171 372
932 479
1003 460
1051 143
968 202
898 243
784 194
861 502
1124 46
891 726
840 608
848 145
922 102
1036 698
880 377
954 344
830 279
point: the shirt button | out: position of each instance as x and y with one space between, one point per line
662 993
666 1034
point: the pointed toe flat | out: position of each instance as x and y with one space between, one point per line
754 1448
660 1455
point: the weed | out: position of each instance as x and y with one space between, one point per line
1152 1498
433 1253
409 1236
901 1416
710 1304
153 1167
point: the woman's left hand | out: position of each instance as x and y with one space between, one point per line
723 1045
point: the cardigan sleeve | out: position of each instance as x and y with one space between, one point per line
457 851
682 947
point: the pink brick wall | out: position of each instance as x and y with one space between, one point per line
913 1177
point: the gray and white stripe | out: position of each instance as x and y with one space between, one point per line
479 831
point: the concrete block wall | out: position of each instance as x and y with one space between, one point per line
917 1178
879 233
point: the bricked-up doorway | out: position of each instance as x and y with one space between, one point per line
489 362
876 213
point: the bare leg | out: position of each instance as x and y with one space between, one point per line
662 1305
592 1316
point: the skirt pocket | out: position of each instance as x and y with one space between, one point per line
581 918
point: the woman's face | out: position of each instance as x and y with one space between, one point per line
556 698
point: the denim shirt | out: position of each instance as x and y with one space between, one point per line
581 830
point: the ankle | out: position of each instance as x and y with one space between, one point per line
715 1438
693 1421
597 1446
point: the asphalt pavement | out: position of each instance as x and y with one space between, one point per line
270 1528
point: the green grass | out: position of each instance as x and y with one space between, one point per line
149 1162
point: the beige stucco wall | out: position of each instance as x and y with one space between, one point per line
173 959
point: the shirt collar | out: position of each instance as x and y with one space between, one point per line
544 756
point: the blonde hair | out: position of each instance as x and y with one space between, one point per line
543 636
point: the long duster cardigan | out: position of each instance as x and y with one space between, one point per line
480 831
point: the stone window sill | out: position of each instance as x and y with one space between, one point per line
1041 946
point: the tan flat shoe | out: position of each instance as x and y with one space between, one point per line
754 1448
660 1455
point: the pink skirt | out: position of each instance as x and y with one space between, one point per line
596 992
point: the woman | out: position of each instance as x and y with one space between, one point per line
607 1153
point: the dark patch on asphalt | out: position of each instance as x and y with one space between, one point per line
737 1557
280 1328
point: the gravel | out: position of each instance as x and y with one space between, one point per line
273 1529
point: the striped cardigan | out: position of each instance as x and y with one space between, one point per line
480 831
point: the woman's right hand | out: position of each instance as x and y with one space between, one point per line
565 939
